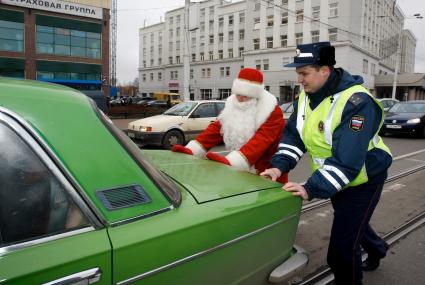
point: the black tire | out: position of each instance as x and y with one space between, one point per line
171 138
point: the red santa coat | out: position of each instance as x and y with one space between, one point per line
255 155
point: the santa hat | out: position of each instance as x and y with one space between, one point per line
249 83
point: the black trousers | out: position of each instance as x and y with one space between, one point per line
353 208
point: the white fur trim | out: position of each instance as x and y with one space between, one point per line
196 148
238 160
267 102
246 88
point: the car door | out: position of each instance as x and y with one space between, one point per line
48 235
200 118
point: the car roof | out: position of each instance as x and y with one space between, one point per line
62 116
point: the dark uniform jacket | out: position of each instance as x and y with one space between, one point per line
349 147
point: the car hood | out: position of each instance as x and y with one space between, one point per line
207 180
402 116
157 122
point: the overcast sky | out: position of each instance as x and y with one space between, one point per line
133 14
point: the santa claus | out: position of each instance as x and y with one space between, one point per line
250 126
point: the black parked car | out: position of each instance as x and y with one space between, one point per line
405 118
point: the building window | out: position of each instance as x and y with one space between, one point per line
201 56
225 71
241 17
299 16
211 55
227 74
298 38
241 34
230 52
222 71
333 34
193 57
230 36
284 2
59 41
270 21
211 10
241 51
170 33
315 12
191 74
159 61
220 21
211 39
256 43
284 41
220 54
174 75
159 76
220 37
258 64
269 42
208 72
372 69
144 77
178 20
256 23
266 64
315 36
151 62
231 20
177 59
151 76
284 19
206 94
257 6
170 60
224 93
144 63
11 36
365 66
333 10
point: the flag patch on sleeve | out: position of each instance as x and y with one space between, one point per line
356 123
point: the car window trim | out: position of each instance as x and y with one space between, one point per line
54 164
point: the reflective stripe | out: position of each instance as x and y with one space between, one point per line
330 179
297 150
337 172
375 140
291 154
328 123
300 119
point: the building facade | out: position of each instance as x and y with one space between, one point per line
264 34
65 42
408 48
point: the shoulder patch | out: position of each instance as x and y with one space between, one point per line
356 99
356 123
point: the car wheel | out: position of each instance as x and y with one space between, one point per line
171 138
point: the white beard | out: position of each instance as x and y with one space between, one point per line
238 122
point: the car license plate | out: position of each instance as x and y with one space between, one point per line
393 126
131 135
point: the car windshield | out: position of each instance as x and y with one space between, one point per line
181 109
408 108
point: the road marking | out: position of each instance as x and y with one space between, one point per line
393 187
416 160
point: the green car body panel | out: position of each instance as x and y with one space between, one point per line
230 227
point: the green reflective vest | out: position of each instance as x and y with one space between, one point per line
317 126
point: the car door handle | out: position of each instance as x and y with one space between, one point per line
89 276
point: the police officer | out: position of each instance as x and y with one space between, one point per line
336 120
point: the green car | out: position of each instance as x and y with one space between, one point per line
81 204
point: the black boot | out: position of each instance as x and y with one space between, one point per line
372 262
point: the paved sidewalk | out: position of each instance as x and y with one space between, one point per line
122 123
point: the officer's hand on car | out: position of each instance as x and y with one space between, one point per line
296 189
271 173
182 149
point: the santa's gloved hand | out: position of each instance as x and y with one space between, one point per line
216 157
182 149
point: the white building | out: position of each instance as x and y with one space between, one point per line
264 34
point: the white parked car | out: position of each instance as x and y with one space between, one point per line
177 125
387 103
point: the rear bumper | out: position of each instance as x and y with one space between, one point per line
291 266
145 138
